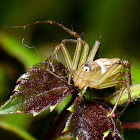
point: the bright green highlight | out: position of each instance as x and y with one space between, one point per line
135 94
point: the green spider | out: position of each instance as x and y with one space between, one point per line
99 74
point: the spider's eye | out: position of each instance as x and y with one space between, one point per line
86 68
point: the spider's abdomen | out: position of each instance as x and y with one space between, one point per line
105 63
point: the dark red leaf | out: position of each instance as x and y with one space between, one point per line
39 89
89 121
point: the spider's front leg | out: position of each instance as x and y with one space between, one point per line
72 65
65 52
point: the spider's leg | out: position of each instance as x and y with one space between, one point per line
117 101
127 83
77 54
67 56
93 51
116 77
84 54
115 66
65 53
84 90
57 76
129 97
114 108
56 49
85 50
112 80
109 84
52 22
78 47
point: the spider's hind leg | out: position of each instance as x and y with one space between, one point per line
125 85
113 77
127 82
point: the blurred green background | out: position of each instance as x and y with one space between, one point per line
115 23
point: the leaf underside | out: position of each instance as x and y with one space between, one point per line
39 89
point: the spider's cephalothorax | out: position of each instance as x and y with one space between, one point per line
99 74
86 74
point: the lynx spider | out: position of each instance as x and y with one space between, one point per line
101 73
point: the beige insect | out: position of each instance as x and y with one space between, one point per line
101 73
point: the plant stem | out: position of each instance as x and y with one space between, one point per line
134 125
135 95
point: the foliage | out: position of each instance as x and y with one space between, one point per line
114 23
90 121
45 85
39 89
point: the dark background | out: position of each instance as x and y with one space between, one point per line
115 23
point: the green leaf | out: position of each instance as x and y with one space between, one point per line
22 133
15 48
